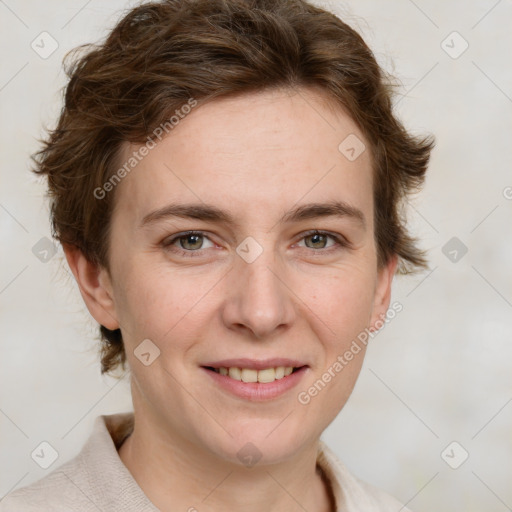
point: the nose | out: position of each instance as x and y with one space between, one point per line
259 300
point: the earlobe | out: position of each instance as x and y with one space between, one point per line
95 287
382 295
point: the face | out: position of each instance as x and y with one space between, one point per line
253 281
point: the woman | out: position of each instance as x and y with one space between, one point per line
226 181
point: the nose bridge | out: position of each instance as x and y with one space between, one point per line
258 298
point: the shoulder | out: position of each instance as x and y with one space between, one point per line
56 491
96 479
352 494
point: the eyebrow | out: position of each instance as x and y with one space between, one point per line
206 212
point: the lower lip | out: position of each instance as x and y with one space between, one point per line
257 391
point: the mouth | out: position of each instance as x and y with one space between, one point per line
256 380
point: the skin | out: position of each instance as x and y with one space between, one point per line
256 156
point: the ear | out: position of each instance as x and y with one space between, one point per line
95 286
382 295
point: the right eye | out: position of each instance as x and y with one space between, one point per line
189 242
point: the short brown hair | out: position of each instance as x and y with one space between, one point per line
161 54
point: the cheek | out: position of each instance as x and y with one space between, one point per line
341 307
342 300
157 304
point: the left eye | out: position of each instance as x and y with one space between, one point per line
319 240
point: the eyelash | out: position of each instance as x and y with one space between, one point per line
167 243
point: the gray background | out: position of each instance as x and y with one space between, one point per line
438 373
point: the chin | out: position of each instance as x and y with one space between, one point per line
259 444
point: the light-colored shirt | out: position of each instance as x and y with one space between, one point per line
96 480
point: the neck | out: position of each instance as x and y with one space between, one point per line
175 475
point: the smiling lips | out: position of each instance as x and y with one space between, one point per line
250 370
256 385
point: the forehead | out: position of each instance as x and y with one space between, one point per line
271 147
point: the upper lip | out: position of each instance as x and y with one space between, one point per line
255 364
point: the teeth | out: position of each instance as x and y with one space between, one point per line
249 375
268 375
235 373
